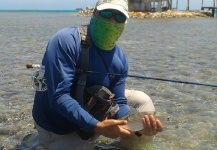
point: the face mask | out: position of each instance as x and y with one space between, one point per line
104 33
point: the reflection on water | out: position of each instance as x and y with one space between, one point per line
177 49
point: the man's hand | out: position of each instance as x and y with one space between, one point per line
151 125
112 128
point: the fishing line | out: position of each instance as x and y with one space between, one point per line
152 78
30 65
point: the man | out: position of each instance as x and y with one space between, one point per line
58 115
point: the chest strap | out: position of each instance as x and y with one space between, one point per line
82 77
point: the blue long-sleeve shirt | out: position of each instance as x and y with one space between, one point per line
56 110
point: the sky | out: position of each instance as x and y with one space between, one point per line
73 4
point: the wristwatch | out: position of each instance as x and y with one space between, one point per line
138 134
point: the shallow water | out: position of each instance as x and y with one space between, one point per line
177 49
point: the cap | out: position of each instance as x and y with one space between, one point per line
120 5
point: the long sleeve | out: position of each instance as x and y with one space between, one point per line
60 61
60 65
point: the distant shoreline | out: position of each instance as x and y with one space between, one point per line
163 14
88 12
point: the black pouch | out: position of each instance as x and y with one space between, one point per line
100 105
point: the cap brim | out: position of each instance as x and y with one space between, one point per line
111 6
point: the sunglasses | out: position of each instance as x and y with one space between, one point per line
108 14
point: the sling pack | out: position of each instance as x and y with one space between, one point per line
100 99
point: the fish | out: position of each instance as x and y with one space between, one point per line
134 121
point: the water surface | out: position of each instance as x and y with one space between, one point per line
178 49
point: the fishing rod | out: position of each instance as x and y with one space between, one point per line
152 78
30 65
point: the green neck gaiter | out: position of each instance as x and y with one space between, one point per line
104 33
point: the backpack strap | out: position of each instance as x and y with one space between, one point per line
85 46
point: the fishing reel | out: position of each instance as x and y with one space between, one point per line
38 80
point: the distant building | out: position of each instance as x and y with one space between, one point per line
149 5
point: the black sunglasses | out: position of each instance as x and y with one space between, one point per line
108 14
